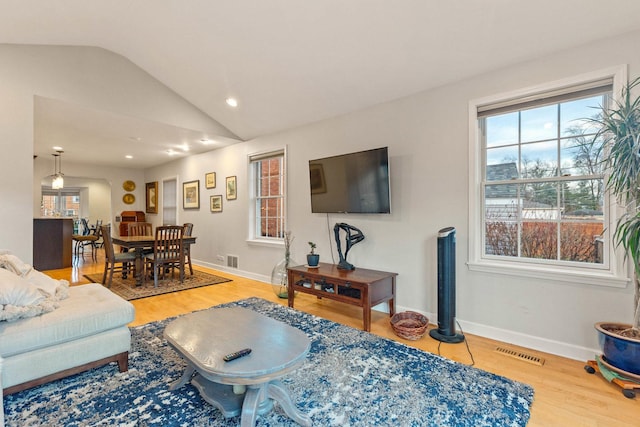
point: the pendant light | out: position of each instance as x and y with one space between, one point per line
58 177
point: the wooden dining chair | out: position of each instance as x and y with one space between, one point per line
120 261
167 252
97 230
188 229
140 229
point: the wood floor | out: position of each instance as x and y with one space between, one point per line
565 395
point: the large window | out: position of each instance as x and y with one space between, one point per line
268 172
539 196
543 184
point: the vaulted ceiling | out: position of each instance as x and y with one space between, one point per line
293 62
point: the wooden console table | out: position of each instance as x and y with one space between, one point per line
361 287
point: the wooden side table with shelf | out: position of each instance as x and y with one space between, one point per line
360 287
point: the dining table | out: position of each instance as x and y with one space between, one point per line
139 244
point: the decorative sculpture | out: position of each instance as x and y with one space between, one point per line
352 237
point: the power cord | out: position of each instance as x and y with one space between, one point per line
466 343
333 260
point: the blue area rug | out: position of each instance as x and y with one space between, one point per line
350 378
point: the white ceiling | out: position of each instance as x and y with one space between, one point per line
293 62
103 138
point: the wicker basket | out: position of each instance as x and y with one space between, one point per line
409 325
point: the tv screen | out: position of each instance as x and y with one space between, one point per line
351 183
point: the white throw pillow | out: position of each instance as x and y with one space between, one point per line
44 282
14 264
25 292
58 289
14 290
20 299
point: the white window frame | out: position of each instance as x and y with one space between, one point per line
254 236
60 193
615 274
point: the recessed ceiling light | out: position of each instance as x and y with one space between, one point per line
128 156
57 148
232 102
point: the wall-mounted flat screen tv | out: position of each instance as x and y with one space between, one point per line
351 183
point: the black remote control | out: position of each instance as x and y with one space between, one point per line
233 356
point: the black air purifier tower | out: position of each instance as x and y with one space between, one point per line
446 331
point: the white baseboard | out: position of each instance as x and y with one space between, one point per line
516 338
237 272
558 348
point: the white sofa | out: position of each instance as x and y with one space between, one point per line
1 400
87 330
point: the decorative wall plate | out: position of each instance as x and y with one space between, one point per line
129 199
129 186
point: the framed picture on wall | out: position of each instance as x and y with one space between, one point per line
216 203
232 188
210 180
191 194
151 197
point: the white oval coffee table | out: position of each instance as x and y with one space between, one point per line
246 386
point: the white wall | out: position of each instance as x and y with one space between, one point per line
224 233
91 77
427 136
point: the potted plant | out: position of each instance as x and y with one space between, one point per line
312 257
619 132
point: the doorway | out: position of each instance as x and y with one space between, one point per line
170 201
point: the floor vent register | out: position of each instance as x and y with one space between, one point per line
535 360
